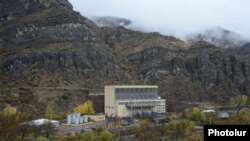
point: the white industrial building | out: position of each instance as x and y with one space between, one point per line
40 122
128 101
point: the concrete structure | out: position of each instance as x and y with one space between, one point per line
128 101
97 118
223 115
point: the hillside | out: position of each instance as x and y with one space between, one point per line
243 51
45 45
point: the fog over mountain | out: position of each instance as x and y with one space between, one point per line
173 17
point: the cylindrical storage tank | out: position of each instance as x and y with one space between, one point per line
77 120
81 120
78 115
68 119
73 117
85 119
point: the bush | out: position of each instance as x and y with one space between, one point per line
88 136
178 128
42 139
106 136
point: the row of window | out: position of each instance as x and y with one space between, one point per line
136 96
142 102
110 107
136 90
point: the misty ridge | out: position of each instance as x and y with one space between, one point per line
220 22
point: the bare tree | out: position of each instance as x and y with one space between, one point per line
48 130
37 130
24 130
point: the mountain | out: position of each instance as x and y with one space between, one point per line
51 54
243 51
111 21
45 44
219 37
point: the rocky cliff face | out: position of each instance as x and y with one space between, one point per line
243 51
188 72
51 51
44 43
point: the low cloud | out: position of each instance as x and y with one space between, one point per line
173 17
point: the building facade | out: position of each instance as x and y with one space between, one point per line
128 101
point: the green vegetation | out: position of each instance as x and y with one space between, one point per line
194 114
106 135
88 136
178 128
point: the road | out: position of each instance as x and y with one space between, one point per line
74 128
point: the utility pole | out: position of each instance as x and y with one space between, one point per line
131 108
119 134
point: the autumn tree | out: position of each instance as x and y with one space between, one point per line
49 113
238 100
8 127
9 110
240 117
85 108
8 124
24 129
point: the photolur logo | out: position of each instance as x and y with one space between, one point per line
215 132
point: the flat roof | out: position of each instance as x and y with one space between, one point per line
132 86
43 121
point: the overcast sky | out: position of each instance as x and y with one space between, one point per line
173 17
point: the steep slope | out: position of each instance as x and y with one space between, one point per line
44 43
243 51
196 72
51 54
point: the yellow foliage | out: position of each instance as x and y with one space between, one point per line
195 110
9 110
145 122
173 115
85 108
239 99
49 113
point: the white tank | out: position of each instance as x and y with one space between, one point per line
77 121
81 120
85 119
68 119
78 115
73 118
